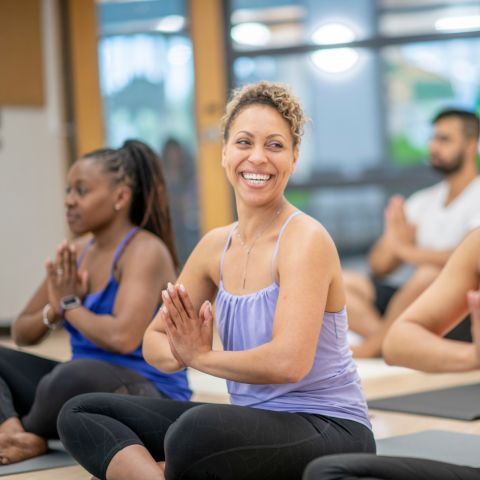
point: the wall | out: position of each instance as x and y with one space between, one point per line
32 171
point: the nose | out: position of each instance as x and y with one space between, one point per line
257 157
69 199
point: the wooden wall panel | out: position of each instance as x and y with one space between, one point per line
85 88
21 70
206 20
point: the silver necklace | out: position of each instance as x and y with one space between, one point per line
253 243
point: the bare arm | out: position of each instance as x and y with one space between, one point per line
28 328
307 275
415 340
196 276
147 268
418 256
382 258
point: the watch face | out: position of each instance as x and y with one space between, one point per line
69 301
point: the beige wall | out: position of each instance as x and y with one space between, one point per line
31 181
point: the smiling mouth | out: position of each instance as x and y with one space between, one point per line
256 178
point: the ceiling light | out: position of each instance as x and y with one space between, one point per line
256 34
172 23
333 33
335 60
458 23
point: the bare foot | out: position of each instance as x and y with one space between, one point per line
20 446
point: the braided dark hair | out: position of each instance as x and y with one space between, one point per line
140 167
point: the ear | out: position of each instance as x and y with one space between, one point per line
224 155
296 152
123 196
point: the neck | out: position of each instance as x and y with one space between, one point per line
252 219
459 180
111 235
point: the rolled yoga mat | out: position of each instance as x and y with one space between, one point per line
439 445
458 403
56 457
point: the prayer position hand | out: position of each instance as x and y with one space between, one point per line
474 304
398 231
191 335
63 279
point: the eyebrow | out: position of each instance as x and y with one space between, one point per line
268 136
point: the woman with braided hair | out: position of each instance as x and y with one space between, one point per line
106 296
276 281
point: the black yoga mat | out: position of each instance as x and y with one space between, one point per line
449 447
56 457
459 403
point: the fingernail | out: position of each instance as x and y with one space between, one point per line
210 306
170 287
165 310
72 248
165 294
182 288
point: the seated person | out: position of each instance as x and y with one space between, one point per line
280 313
415 341
119 196
422 231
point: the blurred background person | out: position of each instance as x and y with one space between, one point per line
106 300
422 230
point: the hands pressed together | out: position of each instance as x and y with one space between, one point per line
190 335
63 279
399 233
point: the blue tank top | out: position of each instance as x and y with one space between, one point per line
332 387
175 385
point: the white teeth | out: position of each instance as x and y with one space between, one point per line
256 178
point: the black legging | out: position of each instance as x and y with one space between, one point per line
35 388
204 441
371 467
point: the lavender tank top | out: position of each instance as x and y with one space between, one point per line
332 388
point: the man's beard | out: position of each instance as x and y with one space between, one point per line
452 167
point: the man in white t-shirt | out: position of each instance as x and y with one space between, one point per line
422 231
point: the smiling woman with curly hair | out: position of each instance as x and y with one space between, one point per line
280 311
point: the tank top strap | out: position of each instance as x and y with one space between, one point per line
279 237
127 237
226 248
84 251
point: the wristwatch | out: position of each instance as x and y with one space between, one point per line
69 302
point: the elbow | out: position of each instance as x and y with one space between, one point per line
292 372
124 344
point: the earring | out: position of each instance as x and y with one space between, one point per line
117 207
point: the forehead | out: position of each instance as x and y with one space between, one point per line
449 125
261 120
87 169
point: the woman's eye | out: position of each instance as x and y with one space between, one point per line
68 190
276 145
81 191
243 142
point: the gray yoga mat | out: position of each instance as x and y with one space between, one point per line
449 447
56 457
459 403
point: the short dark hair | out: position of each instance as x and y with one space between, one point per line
470 122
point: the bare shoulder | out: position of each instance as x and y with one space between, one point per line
145 247
309 234
214 242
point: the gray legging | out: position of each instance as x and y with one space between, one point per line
35 388
372 467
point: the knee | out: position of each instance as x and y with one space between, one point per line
324 468
65 381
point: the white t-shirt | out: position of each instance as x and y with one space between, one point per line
440 227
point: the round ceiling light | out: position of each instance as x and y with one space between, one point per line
334 60
256 34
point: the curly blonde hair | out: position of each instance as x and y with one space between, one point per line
276 95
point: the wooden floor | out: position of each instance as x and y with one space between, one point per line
385 424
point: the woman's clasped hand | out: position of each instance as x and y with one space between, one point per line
190 335
63 278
